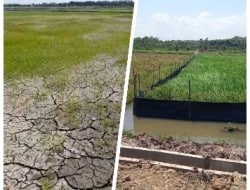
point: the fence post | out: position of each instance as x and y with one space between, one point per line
159 72
153 76
189 99
133 74
139 84
135 87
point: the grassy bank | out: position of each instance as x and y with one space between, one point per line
214 78
45 42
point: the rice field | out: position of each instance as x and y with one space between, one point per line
45 42
63 85
214 78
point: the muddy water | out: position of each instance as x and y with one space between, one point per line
185 129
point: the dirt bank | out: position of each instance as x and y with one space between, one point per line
214 150
147 177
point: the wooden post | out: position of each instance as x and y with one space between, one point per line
159 72
189 99
133 74
153 76
139 84
135 87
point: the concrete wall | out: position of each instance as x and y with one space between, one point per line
184 159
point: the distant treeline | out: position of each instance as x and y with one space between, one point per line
152 43
123 3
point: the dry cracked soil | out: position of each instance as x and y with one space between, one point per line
60 131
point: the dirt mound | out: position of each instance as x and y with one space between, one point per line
147 177
214 150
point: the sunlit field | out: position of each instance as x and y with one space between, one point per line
45 42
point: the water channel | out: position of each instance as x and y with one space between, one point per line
195 130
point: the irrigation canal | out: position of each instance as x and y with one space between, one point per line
207 131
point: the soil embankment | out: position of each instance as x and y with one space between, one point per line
144 176
213 150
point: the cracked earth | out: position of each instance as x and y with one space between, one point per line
61 131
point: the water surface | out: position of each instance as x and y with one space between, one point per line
184 129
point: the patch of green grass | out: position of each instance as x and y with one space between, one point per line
48 180
128 134
107 122
214 78
40 96
71 112
52 143
45 42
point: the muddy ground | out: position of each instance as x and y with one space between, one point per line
61 131
144 176
214 150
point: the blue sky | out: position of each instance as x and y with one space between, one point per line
191 19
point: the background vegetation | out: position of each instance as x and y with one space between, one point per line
217 74
154 44
45 42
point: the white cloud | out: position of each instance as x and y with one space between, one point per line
160 17
202 25
185 20
203 16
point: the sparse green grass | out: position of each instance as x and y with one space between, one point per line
107 122
71 112
214 78
128 134
45 42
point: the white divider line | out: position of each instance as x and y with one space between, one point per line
125 90
1 95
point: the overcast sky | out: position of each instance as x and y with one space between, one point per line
191 19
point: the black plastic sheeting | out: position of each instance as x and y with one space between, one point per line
195 111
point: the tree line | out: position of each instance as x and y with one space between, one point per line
122 3
152 43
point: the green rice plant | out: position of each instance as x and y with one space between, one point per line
214 78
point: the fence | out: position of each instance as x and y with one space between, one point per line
139 91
